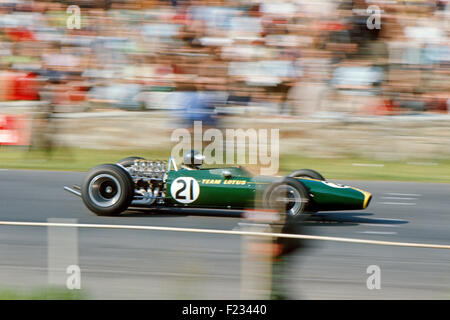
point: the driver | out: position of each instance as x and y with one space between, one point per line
193 160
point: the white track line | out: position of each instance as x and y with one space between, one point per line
404 194
229 232
376 232
400 203
379 225
398 198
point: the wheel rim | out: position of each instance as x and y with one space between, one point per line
285 196
104 190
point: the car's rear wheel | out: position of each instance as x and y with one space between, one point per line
289 196
107 190
307 173
127 162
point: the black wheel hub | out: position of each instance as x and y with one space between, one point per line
108 189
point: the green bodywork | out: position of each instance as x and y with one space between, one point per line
240 189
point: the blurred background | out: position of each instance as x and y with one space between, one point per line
350 101
134 70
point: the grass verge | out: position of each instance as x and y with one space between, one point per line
350 168
42 294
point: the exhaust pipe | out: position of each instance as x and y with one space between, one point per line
74 190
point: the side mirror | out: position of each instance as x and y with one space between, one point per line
226 174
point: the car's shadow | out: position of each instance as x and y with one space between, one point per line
344 218
348 219
180 212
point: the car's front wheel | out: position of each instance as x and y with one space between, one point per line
289 196
107 190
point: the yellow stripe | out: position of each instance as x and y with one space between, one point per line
367 196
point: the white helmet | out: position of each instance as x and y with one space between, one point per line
193 159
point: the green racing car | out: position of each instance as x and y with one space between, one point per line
110 189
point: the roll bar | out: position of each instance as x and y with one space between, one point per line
172 162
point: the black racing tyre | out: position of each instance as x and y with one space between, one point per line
107 190
289 196
126 162
307 173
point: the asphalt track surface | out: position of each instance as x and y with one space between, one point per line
130 264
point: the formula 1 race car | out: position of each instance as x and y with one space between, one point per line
110 189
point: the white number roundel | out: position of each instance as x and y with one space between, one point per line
335 185
185 189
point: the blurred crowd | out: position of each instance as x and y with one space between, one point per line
291 57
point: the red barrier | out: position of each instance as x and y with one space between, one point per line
14 130
18 86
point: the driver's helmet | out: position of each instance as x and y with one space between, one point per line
193 159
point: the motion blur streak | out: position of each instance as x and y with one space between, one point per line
354 96
212 231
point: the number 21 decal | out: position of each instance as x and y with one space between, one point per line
185 189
